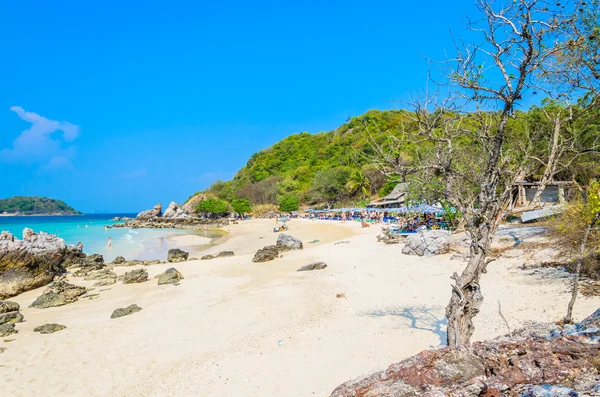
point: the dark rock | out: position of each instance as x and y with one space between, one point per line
125 311
176 255
224 254
171 276
31 262
9 306
313 266
531 366
207 257
135 276
118 260
49 328
265 254
427 243
58 294
11 317
7 329
285 242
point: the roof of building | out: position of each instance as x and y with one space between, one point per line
399 190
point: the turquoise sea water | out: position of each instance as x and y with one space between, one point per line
90 230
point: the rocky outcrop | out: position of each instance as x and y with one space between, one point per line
427 243
31 262
190 205
7 329
154 212
285 242
58 294
103 277
531 363
118 260
135 276
313 266
170 276
176 255
266 254
176 212
89 264
125 311
49 328
9 312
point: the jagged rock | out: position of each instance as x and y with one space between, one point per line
154 212
190 205
125 311
9 306
118 260
265 254
31 262
58 294
135 276
176 255
285 242
207 257
49 328
11 317
89 264
103 277
7 329
175 212
531 366
313 266
171 276
427 243
224 254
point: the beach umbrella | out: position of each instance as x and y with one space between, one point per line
284 219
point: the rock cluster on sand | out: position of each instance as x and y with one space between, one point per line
135 276
531 363
427 243
49 328
103 277
176 255
170 276
9 312
88 264
125 311
285 242
266 254
313 266
58 294
31 262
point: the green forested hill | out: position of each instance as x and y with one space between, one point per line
35 206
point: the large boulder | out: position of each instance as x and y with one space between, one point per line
174 211
190 205
285 242
58 294
170 276
176 255
135 276
153 213
125 311
560 363
266 254
427 243
9 312
31 262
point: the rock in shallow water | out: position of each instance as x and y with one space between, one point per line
49 328
176 255
170 276
125 311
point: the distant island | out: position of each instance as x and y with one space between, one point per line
22 205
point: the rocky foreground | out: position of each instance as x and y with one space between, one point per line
540 361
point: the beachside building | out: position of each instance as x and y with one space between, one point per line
553 194
395 199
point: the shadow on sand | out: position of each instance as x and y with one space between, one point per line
420 318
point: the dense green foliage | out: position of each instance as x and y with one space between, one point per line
241 206
36 206
213 207
289 203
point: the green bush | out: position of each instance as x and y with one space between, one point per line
241 206
289 203
213 206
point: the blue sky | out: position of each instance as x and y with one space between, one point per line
115 106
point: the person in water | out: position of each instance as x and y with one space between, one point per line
80 246
109 244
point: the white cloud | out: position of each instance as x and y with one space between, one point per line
42 142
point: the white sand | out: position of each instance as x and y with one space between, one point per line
218 332
188 240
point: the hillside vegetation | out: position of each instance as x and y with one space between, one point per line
35 206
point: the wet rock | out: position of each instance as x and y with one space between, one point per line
285 242
224 254
58 294
265 254
176 255
7 329
313 266
170 276
427 243
135 276
11 317
49 328
118 260
125 311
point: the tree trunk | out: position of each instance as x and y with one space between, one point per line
550 165
569 316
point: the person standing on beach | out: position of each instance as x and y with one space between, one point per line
109 244
80 246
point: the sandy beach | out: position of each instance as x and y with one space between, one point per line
234 327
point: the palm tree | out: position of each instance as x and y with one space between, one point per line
359 182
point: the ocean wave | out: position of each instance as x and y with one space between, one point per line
127 236
132 231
